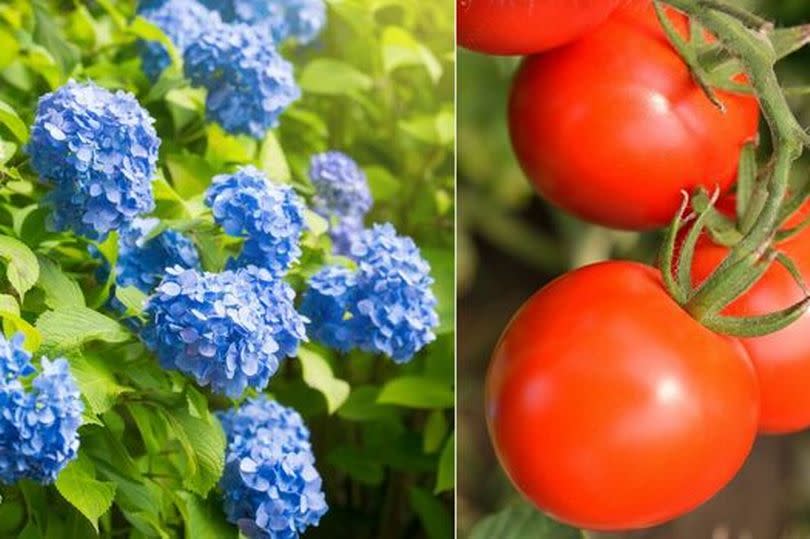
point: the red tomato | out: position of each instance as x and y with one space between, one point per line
611 408
527 26
781 359
613 127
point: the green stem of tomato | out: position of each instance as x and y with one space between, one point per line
749 258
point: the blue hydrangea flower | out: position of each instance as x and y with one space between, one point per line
38 428
341 187
99 151
396 311
15 361
142 263
229 330
182 21
301 20
269 216
249 84
390 309
270 485
326 303
342 196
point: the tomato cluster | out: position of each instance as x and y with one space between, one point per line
608 405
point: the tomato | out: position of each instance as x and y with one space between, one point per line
612 127
781 359
526 27
611 408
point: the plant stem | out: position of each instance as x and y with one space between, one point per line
757 57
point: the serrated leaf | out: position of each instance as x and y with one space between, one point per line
446 472
96 382
326 76
416 392
521 521
60 290
23 268
78 485
71 327
318 375
207 441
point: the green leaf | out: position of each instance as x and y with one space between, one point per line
132 298
48 34
70 328
416 392
60 290
521 521
190 173
9 118
7 151
442 269
272 159
318 375
438 130
446 474
23 268
358 466
224 148
204 519
434 432
208 443
148 31
326 76
315 223
383 185
434 514
400 49
96 382
362 405
78 485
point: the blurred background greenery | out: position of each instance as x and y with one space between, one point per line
510 243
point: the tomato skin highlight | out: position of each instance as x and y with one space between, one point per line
610 408
612 127
781 359
520 27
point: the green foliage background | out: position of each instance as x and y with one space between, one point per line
510 244
378 85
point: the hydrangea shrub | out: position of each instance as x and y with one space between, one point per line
185 244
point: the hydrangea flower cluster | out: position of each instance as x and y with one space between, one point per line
38 428
142 262
229 330
270 216
99 151
330 295
342 196
270 485
182 21
301 20
249 84
387 306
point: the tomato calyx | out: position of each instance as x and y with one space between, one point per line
763 201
